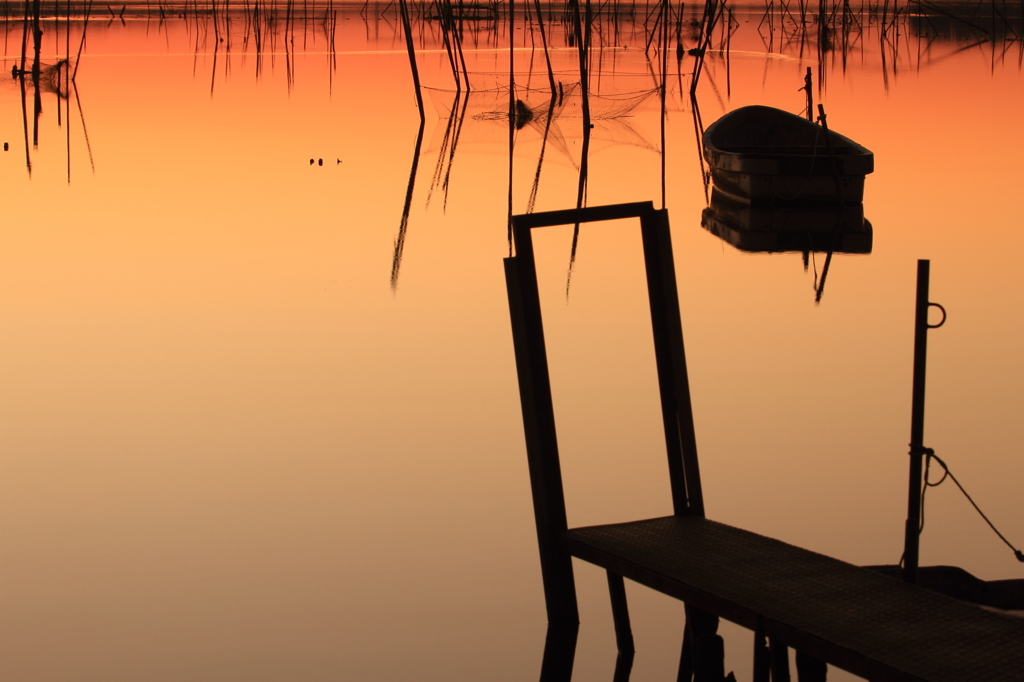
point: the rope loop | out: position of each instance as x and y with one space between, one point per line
927 469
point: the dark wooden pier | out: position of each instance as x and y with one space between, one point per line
860 620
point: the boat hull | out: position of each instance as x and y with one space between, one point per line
762 155
788 189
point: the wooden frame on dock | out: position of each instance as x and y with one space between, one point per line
535 385
832 612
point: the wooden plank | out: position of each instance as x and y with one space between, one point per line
571 216
541 440
673 382
535 391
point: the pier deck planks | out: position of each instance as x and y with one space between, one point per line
867 623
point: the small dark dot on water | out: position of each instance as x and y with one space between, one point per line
338 161
7 146
320 162
311 162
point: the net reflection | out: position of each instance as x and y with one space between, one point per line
780 229
57 80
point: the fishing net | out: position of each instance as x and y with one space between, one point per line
53 78
484 115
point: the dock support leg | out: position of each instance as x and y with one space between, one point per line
703 657
620 614
810 669
762 658
559 653
686 657
780 660
623 667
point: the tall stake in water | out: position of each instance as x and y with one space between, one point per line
396 261
664 93
511 109
547 55
808 88
582 45
411 48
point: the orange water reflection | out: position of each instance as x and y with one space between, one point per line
230 450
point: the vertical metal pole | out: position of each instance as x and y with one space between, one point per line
911 542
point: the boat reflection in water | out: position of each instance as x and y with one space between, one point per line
808 228
776 229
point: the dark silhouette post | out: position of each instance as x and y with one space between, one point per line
917 449
559 653
809 89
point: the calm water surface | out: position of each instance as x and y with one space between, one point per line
256 426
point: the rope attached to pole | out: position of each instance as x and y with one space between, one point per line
929 456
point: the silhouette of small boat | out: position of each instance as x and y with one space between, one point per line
764 155
774 229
